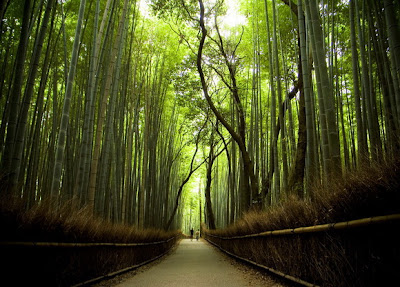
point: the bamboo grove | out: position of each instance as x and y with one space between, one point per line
117 108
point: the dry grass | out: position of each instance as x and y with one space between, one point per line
58 266
368 256
372 191
40 223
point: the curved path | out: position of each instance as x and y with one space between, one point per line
197 263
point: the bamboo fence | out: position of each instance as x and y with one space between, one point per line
318 228
77 264
88 244
347 225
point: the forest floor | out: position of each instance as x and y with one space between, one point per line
194 263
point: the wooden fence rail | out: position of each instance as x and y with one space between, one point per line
88 244
75 264
318 228
363 252
276 272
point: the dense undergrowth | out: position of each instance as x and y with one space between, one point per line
67 265
368 256
41 223
372 191
363 256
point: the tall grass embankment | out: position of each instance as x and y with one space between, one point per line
91 248
360 256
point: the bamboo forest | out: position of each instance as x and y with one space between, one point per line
139 121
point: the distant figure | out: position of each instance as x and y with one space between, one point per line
191 234
197 234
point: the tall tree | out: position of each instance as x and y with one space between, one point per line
23 113
15 99
331 149
250 180
62 135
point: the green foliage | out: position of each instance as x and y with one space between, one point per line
175 9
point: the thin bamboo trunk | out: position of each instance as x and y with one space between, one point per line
62 136
326 98
15 100
372 125
361 131
23 113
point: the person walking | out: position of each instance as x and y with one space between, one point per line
197 234
191 234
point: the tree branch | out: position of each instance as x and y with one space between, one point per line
192 170
230 129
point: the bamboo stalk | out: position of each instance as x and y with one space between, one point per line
319 228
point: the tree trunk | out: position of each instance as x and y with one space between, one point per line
23 114
250 181
62 136
393 32
207 190
361 132
327 99
15 99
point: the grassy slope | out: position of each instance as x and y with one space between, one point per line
40 224
363 257
373 191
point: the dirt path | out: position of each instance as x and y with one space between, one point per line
197 263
